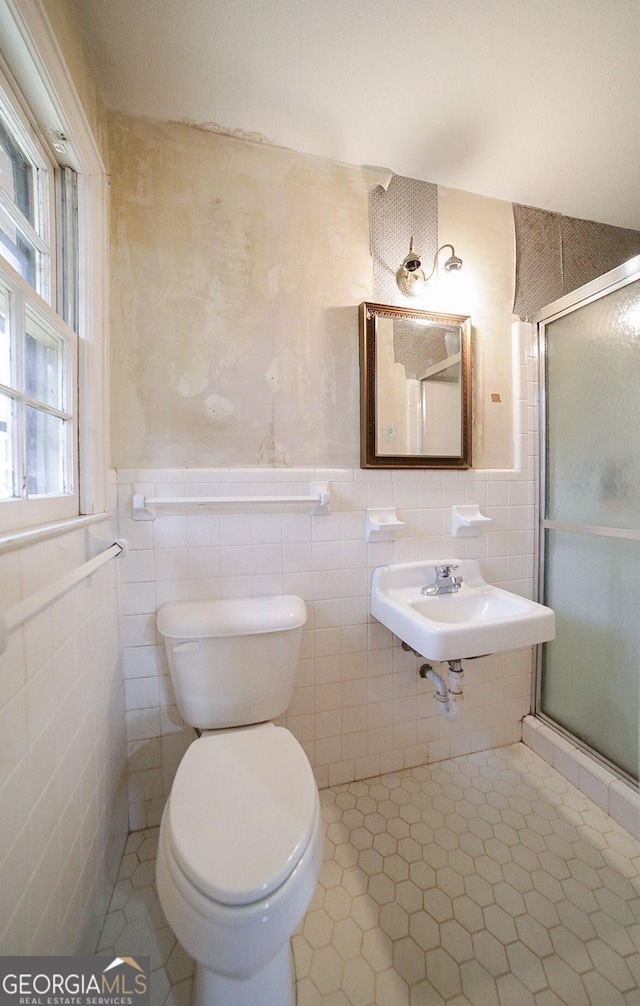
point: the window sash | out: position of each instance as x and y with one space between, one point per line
22 174
27 231
42 437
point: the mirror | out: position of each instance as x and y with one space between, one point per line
415 388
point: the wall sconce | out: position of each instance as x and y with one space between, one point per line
411 278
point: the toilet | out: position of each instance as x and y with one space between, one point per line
241 837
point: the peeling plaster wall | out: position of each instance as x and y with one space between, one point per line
236 274
237 269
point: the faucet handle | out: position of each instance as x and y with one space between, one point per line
445 569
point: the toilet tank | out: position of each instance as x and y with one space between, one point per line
233 662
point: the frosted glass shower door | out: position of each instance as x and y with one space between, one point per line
590 674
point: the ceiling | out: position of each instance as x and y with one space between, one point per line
532 101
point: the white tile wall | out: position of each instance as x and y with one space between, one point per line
359 707
63 811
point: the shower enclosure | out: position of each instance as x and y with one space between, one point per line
588 683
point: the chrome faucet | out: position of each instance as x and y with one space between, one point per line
445 582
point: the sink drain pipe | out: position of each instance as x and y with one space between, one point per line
449 697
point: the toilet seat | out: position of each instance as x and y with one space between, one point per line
241 812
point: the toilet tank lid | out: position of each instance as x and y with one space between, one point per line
236 617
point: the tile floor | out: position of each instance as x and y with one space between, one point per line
486 880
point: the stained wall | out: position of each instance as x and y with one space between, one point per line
236 272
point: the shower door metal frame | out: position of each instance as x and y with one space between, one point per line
615 279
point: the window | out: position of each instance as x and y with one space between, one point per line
26 203
53 229
16 179
37 394
38 350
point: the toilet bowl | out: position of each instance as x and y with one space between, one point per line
241 838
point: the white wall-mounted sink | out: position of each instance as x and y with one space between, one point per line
475 620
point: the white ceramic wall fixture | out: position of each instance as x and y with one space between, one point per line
475 620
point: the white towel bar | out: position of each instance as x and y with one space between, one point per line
143 507
21 612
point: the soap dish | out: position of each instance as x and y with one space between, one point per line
383 524
467 521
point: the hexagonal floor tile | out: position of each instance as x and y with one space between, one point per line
484 880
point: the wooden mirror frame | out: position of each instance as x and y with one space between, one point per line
369 458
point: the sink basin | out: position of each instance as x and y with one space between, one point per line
476 620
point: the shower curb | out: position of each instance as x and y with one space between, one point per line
617 798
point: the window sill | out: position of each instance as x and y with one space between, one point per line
28 536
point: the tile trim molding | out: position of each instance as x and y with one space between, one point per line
611 794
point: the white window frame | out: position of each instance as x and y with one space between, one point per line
42 232
23 298
33 59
